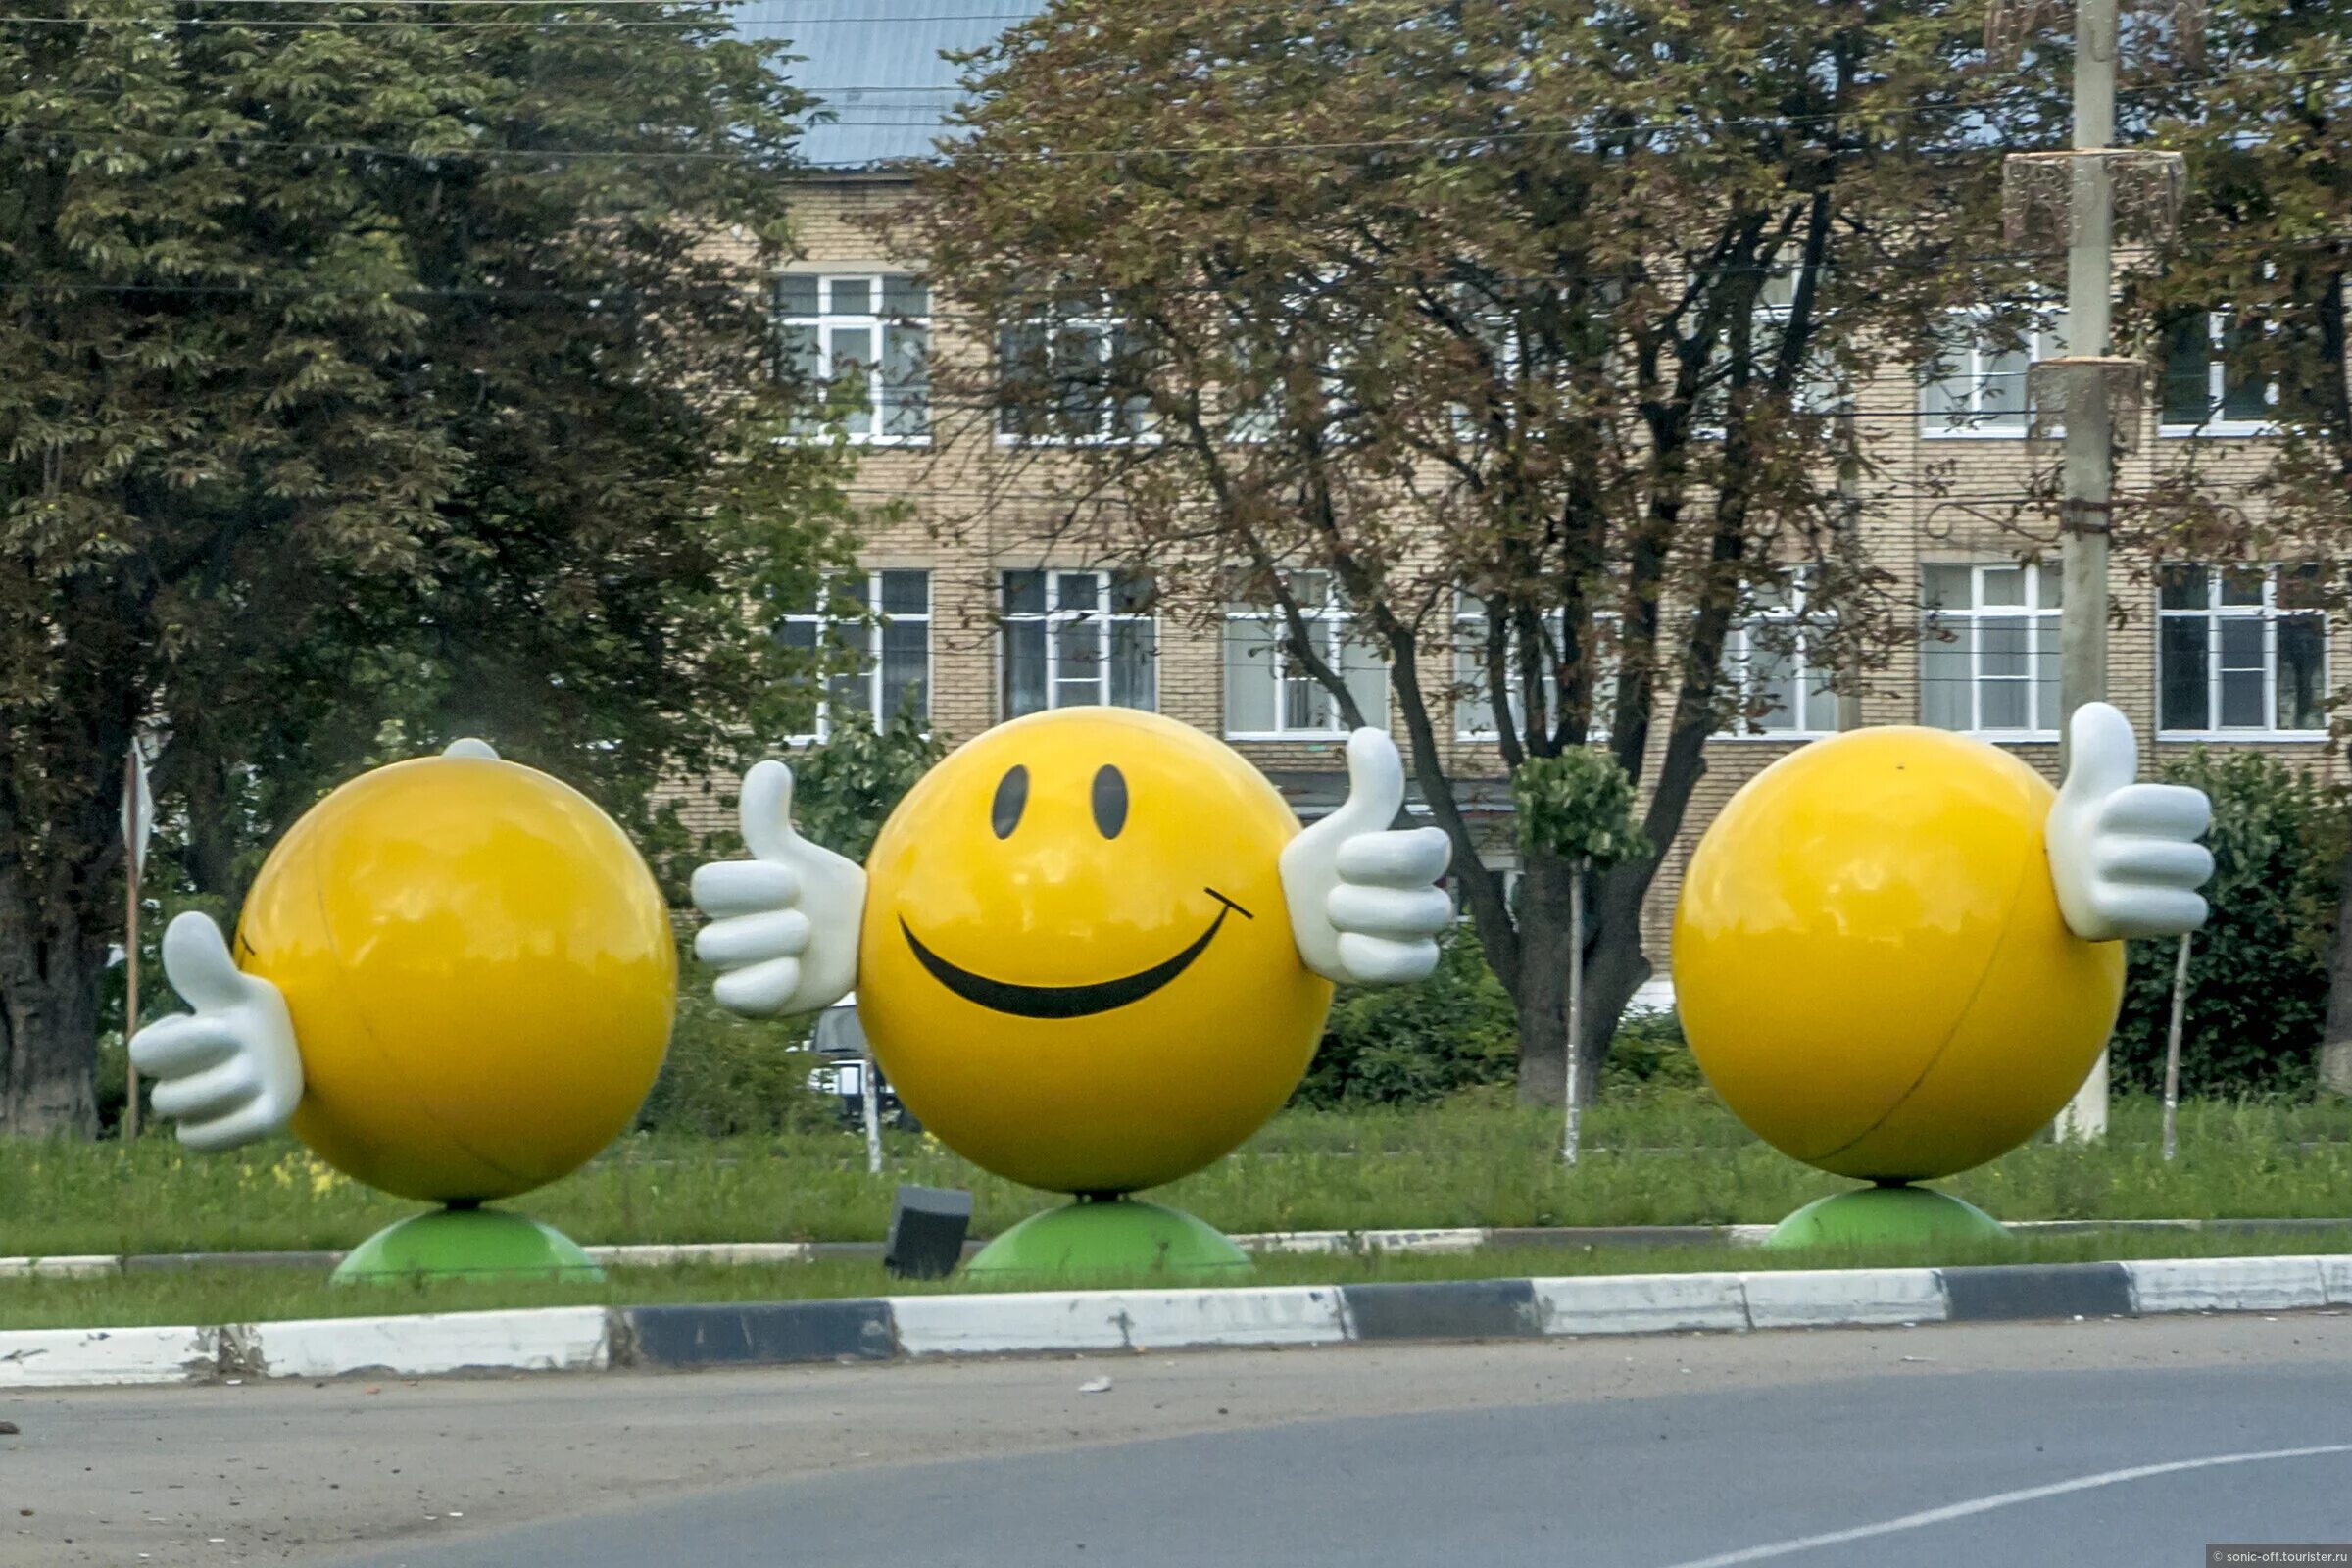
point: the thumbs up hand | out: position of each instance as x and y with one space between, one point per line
230 1072
2124 855
1365 907
783 931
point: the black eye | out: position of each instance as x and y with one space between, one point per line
1012 795
1110 801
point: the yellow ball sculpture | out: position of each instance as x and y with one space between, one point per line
1870 961
480 972
1076 965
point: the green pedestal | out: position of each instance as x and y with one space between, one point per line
450 1244
1109 1237
1885 1216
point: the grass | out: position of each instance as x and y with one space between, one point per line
224 1294
1662 1157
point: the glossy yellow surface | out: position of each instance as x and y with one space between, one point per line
1869 959
480 971
1131 1094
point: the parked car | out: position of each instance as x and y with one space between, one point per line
839 1043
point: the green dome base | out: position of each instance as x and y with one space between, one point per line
1886 1216
1110 1237
474 1244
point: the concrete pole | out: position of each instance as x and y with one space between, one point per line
2089 472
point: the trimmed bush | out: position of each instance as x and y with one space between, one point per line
2258 972
1403 1044
726 1075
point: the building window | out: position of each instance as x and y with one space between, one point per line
1977 384
1988 664
867 338
889 652
1474 710
1820 389
1269 695
2210 385
2241 649
1770 660
1068 378
1073 638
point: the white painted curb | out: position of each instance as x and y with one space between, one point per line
1846 1298
1641 1303
2227 1283
561 1339
84 1359
1117 1320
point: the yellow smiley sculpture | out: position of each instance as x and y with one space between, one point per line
1896 954
454 980
1093 951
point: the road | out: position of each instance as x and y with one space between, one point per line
2018 1445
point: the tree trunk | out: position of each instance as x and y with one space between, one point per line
1541 994
1614 969
49 974
2335 1037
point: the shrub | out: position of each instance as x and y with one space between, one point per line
1649 1051
727 1075
2258 972
1396 1044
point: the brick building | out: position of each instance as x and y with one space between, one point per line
989 619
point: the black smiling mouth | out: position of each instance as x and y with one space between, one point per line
1067 1002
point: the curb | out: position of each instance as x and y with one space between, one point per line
1461 1239
676 1339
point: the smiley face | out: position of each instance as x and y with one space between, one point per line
1076 963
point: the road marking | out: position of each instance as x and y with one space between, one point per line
2000 1500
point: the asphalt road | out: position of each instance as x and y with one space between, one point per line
2130 1444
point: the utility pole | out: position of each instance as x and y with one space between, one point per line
2089 476
2097 395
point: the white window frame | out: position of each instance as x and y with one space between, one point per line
1332 621
865 636
1057 620
2041 613
1970 369
2217 380
1738 659
2214 613
1470 672
1817 395
882 405
1104 330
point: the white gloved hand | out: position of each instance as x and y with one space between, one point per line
230 1072
1365 907
784 924
2124 855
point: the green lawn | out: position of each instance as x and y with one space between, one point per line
217 1295
1672 1158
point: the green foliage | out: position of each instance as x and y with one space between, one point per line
1650 1052
726 1076
2258 972
845 790
1391 1045
1579 805
364 386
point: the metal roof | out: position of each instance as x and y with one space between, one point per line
876 65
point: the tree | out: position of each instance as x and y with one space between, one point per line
2266 126
366 377
1513 331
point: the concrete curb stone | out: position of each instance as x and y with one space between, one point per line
752 1333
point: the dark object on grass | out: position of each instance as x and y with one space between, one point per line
926 1232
